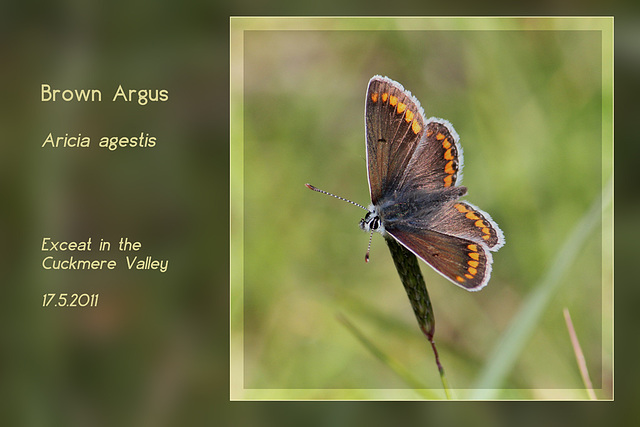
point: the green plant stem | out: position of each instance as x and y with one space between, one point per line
407 265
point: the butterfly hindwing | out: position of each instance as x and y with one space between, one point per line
465 220
463 262
454 218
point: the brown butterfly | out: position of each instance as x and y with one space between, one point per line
414 169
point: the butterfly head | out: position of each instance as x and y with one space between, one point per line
372 221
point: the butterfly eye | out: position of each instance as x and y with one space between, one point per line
375 223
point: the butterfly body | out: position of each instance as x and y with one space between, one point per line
398 209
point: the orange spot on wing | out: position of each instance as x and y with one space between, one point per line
401 107
448 155
449 169
374 97
474 255
473 247
393 100
408 116
468 276
415 127
479 224
460 278
472 270
385 96
446 144
472 215
473 263
448 180
439 136
462 209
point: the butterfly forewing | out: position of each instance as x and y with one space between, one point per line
395 125
437 161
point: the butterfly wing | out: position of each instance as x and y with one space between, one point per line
464 220
455 239
404 149
462 261
437 161
395 125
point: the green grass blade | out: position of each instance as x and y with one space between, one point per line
394 365
506 352
411 277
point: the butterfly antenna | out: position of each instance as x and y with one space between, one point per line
366 256
311 187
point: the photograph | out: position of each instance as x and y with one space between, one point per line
480 147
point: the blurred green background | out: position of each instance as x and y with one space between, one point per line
526 98
150 353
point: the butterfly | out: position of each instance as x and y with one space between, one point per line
414 168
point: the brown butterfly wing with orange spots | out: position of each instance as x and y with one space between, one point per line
462 219
437 162
456 239
404 149
395 126
465 263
